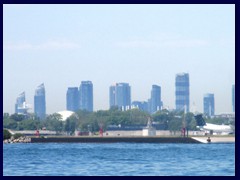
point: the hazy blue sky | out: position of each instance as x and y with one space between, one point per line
62 45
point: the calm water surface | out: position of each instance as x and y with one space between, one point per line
77 159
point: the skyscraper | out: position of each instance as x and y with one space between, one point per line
120 96
155 98
20 104
233 98
112 95
40 102
72 99
208 105
86 96
182 91
142 106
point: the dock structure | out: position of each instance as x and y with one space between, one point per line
33 132
140 139
113 140
215 139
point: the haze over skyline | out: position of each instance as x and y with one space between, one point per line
62 45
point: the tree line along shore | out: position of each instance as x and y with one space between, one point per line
104 119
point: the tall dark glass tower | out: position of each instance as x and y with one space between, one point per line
72 99
155 98
86 96
40 102
182 91
233 98
208 105
120 96
20 103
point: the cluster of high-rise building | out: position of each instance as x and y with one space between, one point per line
153 104
21 106
120 96
81 98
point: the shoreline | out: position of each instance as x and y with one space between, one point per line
119 139
87 139
140 139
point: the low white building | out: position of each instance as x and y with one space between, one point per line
65 114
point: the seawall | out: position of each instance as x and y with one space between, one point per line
113 140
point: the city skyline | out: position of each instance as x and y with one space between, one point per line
73 100
138 44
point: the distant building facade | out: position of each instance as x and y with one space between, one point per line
40 102
112 96
182 92
155 99
208 105
120 96
233 98
72 99
19 106
86 96
141 105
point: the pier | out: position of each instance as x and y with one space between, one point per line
113 140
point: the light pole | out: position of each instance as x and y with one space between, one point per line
89 132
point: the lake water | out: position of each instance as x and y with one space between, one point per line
123 159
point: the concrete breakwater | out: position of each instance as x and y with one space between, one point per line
113 140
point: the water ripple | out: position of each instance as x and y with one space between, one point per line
123 159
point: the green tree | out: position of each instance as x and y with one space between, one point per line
6 116
29 124
53 122
163 117
218 121
70 125
175 125
10 124
17 117
138 117
6 134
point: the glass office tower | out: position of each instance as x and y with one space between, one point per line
112 95
72 99
86 96
141 105
155 98
20 103
120 96
40 102
182 92
208 105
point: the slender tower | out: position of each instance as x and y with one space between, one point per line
182 91
40 102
